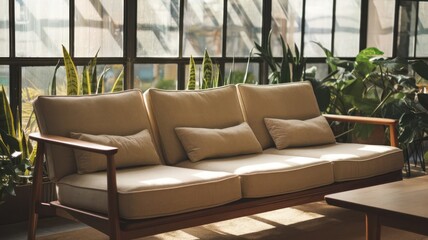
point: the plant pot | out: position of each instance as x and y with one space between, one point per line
16 208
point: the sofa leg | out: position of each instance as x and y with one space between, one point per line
32 226
36 192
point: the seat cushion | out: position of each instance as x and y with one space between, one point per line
351 160
202 143
265 175
151 191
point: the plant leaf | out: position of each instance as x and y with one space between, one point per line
118 83
71 73
191 84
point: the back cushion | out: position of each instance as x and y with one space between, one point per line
282 101
212 108
120 114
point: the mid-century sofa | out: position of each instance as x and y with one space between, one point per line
132 164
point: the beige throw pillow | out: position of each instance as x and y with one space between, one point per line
133 150
298 133
202 143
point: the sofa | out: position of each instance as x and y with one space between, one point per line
134 164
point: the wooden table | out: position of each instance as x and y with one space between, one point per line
402 205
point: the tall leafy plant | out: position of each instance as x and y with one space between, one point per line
89 82
372 85
16 152
291 67
210 73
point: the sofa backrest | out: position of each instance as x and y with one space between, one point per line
283 101
169 109
122 113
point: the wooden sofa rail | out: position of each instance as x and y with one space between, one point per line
391 123
118 228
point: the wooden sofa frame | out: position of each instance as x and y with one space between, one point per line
117 228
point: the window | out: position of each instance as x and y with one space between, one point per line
152 41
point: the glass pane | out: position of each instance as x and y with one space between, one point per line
406 29
381 25
157 28
244 26
238 72
4 28
99 25
162 76
347 28
41 27
318 28
422 39
4 78
37 81
321 69
287 21
203 24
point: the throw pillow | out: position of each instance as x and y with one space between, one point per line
299 133
202 143
133 150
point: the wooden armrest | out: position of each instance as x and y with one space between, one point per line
74 143
360 119
391 123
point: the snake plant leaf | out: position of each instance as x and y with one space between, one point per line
118 83
216 75
248 66
421 68
71 73
6 117
100 82
10 141
53 83
191 84
285 63
207 70
86 82
93 71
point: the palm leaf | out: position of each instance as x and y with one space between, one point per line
247 67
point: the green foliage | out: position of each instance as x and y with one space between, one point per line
291 67
16 153
210 73
88 83
379 87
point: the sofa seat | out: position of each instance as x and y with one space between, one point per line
351 160
265 175
151 191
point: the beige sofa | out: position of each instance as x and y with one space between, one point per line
133 165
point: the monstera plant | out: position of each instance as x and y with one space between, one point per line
373 85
